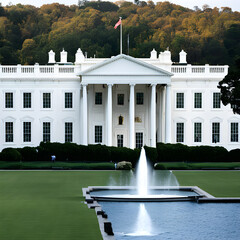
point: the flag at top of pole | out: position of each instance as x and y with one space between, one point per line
116 25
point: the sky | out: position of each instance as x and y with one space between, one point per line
234 4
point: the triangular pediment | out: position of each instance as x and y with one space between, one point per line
124 65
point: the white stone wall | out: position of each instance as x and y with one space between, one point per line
57 114
206 115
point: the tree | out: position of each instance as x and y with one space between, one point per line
230 89
27 52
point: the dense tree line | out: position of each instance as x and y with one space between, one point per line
27 33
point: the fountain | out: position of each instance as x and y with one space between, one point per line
142 187
142 175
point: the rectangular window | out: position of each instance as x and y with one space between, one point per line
9 132
46 100
46 131
216 100
68 132
139 98
197 132
98 98
234 132
98 134
26 131
197 100
120 99
215 132
180 132
139 139
27 100
68 100
180 100
120 140
9 100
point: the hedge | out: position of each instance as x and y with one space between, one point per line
71 152
182 153
11 155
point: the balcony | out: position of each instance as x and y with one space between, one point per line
192 71
38 71
71 71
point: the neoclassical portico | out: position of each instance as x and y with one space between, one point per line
129 75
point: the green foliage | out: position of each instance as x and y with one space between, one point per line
73 156
183 153
234 155
172 152
208 154
152 154
160 166
124 154
28 33
11 155
56 166
102 6
29 154
197 166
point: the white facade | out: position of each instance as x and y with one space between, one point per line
121 101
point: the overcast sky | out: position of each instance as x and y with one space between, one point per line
234 4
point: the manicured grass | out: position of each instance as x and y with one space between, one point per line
199 166
217 183
37 205
57 165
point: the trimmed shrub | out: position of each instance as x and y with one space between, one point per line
160 166
172 152
208 154
11 155
124 166
29 154
234 155
98 153
119 154
151 154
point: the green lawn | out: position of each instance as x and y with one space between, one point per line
37 205
217 183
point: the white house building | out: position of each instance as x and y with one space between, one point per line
121 101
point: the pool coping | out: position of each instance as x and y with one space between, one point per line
106 226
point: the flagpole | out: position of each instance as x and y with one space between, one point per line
121 36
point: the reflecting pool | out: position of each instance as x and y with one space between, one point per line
175 220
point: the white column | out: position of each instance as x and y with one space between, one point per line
159 132
168 120
80 116
109 116
131 118
153 116
85 116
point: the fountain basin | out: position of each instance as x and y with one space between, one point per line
156 194
148 198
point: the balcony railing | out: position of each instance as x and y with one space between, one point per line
35 70
199 70
73 70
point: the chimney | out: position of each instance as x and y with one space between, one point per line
63 57
183 57
167 57
51 57
153 54
79 57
